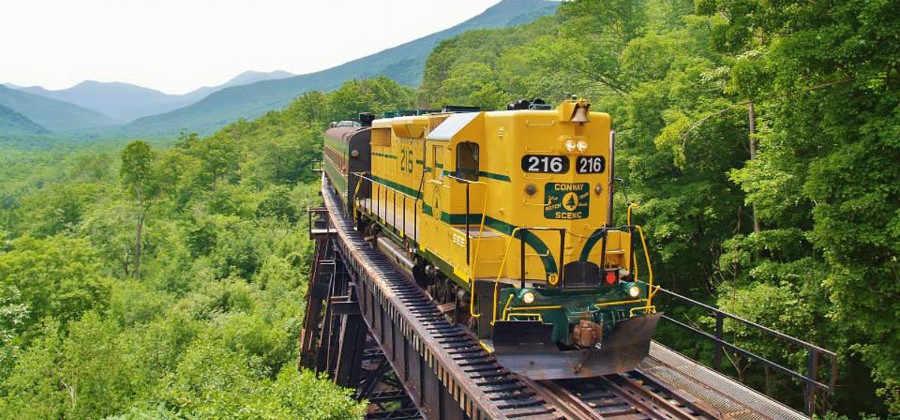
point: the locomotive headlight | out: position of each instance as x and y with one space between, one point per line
634 291
582 146
354 153
528 297
571 146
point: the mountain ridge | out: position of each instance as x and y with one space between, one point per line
127 101
403 63
59 117
13 123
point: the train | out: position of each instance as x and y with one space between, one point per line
505 219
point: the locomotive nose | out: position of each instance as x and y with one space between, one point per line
526 348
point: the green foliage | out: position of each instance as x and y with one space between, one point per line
679 79
109 226
278 204
213 382
58 208
376 95
135 303
34 390
56 277
210 329
137 159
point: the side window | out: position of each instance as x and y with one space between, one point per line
437 162
467 161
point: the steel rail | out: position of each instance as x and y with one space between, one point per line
644 400
693 403
565 401
616 396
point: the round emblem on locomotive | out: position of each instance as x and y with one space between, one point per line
570 201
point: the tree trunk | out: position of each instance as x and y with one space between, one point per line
137 247
754 143
140 228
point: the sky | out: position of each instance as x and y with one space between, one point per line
176 46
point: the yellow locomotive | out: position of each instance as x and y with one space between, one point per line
505 218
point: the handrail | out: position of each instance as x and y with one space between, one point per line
500 274
318 211
471 264
363 176
763 328
650 291
474 263
395 191
355 194
628 212
512 236
809 379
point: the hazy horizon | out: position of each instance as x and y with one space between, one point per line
176 47
207 85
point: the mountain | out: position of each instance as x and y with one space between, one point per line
245 78
127 102
403 63
13 123
56 116
121 101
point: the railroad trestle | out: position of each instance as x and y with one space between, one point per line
371 328
442 368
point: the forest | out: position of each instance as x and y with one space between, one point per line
760 139
165 278
203 318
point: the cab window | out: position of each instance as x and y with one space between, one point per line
467 161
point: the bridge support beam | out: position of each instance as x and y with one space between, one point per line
336 340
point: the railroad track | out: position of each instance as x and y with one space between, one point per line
631 395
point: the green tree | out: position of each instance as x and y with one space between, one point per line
826 75
58 277
375 95
136 174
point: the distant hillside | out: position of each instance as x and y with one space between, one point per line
122 101
244 78
403 64
127 102
13 123
57 116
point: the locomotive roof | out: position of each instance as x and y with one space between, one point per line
452 125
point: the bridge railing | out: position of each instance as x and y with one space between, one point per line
318 222
810 379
